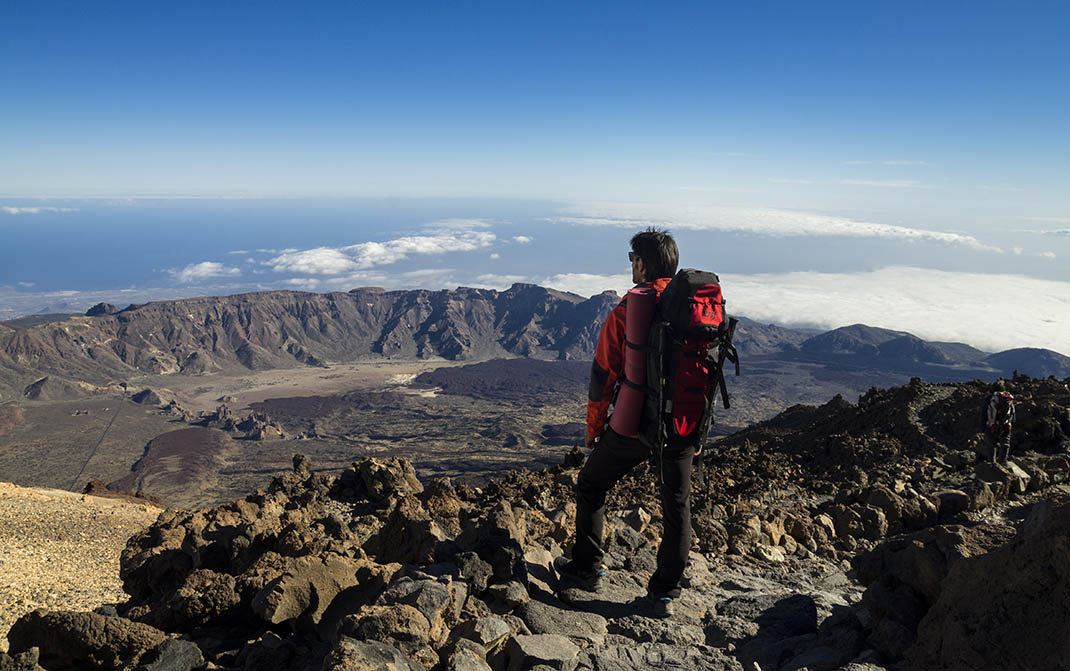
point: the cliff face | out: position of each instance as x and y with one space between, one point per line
280 329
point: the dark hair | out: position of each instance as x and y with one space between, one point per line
658 251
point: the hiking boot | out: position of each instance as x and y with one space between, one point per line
570 575
660 606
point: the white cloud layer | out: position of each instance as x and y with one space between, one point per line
586 284
366 255
522 239
762 221
35 210
499 282
991 312
196 272
1058 232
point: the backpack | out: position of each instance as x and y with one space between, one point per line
689 342
1003 408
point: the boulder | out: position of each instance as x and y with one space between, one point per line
464 659
637 518
1006 609
1011 478
557 618
24 661
69 640
173 655
307 587
147 397
644 629
526 651
409 535
204 598
847 520
352 655
398 625
744 531
489 631
432 598
1038 477
904 576
441 501
504 597
952 502
919 512
890 503
657 657
380 481
874 523
983 494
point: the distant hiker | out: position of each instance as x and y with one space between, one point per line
998 418
654 258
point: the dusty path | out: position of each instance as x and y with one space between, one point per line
934 393
60 550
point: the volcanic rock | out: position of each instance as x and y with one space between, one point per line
147 397
69 640
552 650
431 598
352 655
23 661
399 625
904 577
1008 608
173 655
380 481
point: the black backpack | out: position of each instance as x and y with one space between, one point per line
689 341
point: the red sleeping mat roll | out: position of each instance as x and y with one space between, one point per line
628 407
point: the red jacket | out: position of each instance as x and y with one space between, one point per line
609 363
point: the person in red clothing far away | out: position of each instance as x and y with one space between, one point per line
997 420
654 257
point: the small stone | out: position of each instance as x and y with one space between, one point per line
488 631
508 595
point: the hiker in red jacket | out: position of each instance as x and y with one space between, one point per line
654 257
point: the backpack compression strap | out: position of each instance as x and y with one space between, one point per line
726 352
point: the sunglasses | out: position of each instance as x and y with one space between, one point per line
632 256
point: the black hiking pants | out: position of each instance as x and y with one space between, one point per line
1000 444
610 460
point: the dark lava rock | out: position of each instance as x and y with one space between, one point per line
352 655
173 655
1006 609
69 640
657 657
23 661
147 397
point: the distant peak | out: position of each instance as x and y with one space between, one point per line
101 309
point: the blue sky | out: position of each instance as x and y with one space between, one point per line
856 143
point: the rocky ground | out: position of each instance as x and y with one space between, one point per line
60 550
860 537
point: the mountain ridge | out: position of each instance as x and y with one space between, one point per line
287 329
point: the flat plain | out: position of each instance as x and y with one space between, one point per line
464 420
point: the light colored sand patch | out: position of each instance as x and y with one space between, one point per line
60 550
202 392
